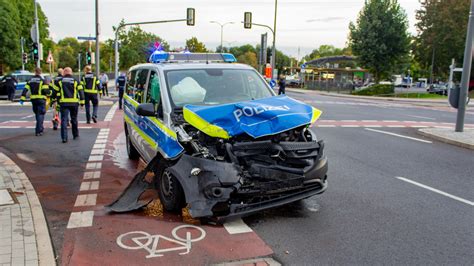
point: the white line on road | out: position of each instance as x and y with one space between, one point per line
85 200
237 227
92 175
397 135
80 219
435 190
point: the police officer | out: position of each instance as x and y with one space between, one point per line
91 85
120 86
10 83
69 96
39 91
281 84
54 86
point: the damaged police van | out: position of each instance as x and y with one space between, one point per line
217 139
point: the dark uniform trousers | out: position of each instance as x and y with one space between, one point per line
66 110
91 98
11 92
39 108
120 94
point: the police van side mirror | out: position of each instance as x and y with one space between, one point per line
146 109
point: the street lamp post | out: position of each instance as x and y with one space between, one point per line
222 30
135 23
97 44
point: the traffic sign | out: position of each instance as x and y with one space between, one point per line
50 58
303 66
272 83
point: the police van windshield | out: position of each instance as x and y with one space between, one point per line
215 86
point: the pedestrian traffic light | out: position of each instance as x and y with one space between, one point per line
88 58
25 58
35 51
248 20
190 16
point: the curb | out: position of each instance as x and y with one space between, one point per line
443 101
43 239
445 139
25 104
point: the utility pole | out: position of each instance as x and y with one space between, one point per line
466 73
37 32
22 42
97 43
274 39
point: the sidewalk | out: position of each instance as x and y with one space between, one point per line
448 135
24 235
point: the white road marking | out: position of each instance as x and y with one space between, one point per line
25 158
86 185
325 126
100 141
396 126
102 136
9 127
348 120
390 121
92 166
95 158
371 126
98 146
80 219
98 152
468 202
350 126
237 227
92 175
422 117
85 200
397 135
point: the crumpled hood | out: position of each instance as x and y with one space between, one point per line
257 118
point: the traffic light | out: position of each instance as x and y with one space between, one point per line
88 58
190 16
25 58
35 51
248 20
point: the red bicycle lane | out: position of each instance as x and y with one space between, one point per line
138 237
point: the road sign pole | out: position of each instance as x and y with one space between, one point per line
37 31
274 39
22 41
466 73
97 43
79 64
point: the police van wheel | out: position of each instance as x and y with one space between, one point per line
170 192
131 150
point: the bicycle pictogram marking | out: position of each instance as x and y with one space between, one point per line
150 243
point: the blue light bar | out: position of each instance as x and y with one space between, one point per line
229 58
162 57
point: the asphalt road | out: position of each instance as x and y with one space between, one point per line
368 216
371 213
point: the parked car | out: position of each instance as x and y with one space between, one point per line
217 138
438 89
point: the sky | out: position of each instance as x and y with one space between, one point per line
303 24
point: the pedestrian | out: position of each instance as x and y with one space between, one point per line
281 85
91 86
54 86
10 83
104 80
120 84
39 92
69 96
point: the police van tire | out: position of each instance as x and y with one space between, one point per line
170 192
131 150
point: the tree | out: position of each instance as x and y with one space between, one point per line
380 39
195 46
249 58
327 50
136 46
441 27
9 40
16 18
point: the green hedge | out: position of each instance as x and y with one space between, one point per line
378 89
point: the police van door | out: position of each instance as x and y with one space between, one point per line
140 135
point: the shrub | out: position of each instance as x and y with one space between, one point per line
378 89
